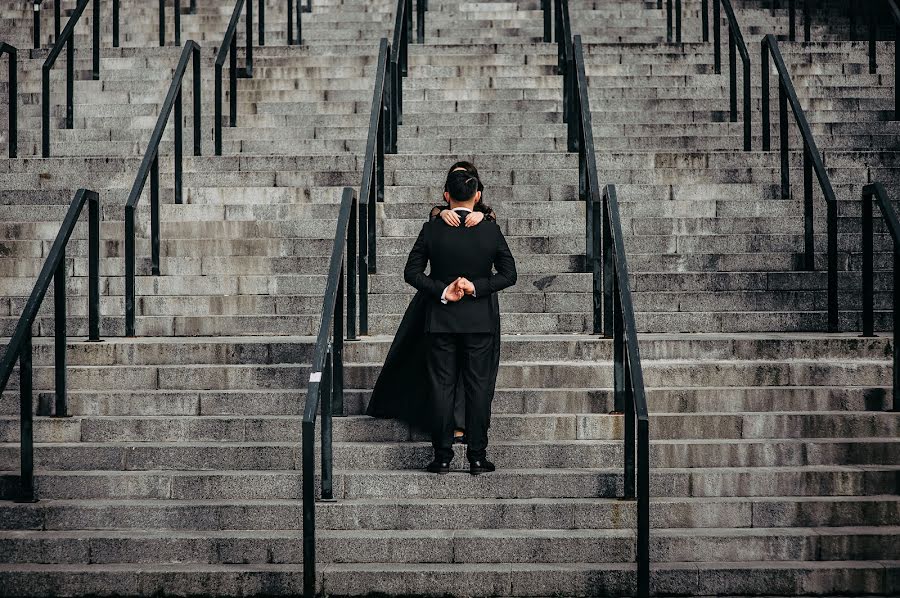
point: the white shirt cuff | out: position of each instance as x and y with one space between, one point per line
444 295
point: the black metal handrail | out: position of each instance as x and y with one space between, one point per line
150 166
894 10
176 13
228 50
67 39
808 6
371 189
736 46
565 57
326 380
12 53
812 162
876 191
290 20
614 314
397 69
20 347
677 19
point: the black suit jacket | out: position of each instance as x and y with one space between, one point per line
455 251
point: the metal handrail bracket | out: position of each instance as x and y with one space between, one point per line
812 163
20 345
150 167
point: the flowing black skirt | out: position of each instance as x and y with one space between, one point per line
401 391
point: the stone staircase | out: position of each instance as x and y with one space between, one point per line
774 463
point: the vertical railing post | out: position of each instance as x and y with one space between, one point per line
337 380
59 339
764 98
596 264
732 76
717 37
154 215
70 82
57 19
669 21
677 21
217 108
832 224
748 117
868 283
129 270
896 71
198 116
895 319
162 23
326 429
13 102
643 507
290 22
309 502
299 23
26 422
95 51
36 25
177 24
232 82
630 486
873 25
792 21
784 141
248 21
352 271
618 327
115 23
420 21
608 270
178 147
704 15
262 22
809 248
93 266
45 111
807 19
545 7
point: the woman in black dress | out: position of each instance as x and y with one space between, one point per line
401 391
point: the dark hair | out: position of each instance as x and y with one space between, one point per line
468 167
461 185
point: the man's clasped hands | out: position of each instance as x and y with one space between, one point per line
458 289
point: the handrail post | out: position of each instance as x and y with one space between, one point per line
748 108
784 141
337 377
178 141
45 111
129 271
309 503
677 21
643 507
807 19
290 22
704 15
764 97
13 98
26 422
299 23
93 266
608 272
198 103
732 77
248 21
618 328
57 20
896 318
630 483
717 37
70 84
896 70
327 456
59 340
115 23
154 215
232 83
352 273
831 225
177 24
809 248
36 25
873 24
545 7
162 23
669 21
792 21
868 284
420 21
217 110
95 51
262 22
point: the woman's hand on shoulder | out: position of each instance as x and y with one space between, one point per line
451 218
474 218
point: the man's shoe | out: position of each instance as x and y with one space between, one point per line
439 467
481 466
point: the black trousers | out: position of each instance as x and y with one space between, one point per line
469 359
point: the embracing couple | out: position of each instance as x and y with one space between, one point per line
441 370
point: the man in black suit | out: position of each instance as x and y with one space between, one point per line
461 318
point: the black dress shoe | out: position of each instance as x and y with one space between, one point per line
481 466
439 467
